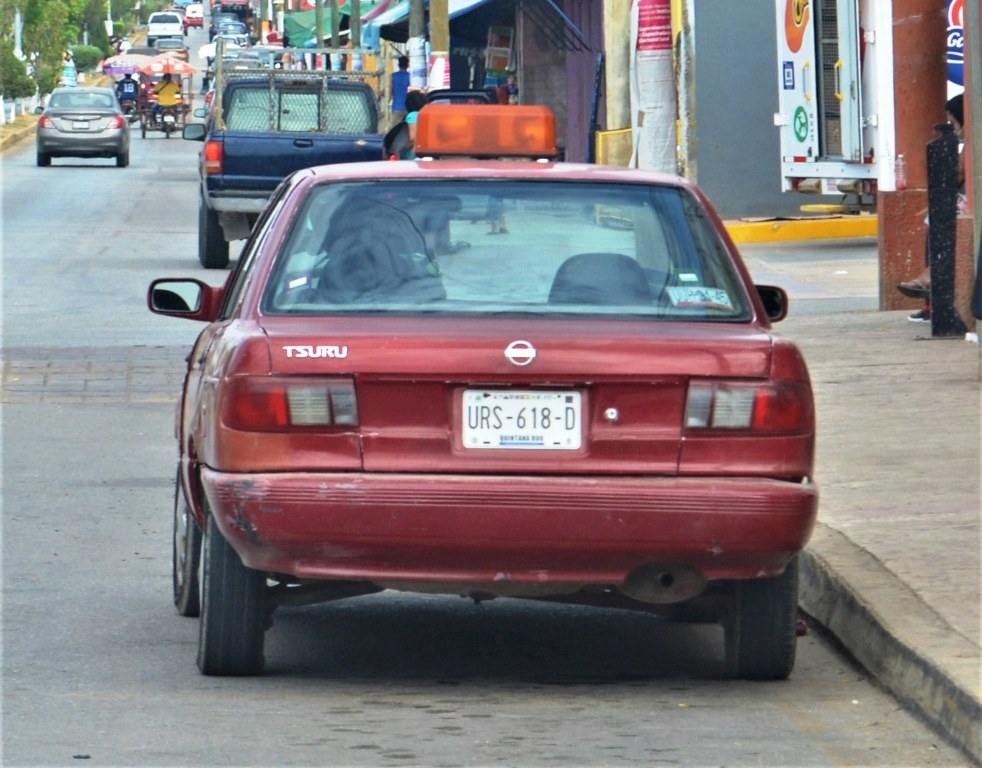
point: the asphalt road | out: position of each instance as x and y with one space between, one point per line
97 666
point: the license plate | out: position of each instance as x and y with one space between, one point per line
80 125
530 420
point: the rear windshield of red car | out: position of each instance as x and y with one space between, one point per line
505 247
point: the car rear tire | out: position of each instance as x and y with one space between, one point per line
186 554
122 159
44 159
760 626
212 246
232 610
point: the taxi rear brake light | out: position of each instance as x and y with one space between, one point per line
263 403
486 130
777 407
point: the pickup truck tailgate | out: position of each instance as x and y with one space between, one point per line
261 161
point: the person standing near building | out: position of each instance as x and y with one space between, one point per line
920 286
400 87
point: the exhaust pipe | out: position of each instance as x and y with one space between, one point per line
663 583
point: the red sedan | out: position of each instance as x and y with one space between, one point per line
486 373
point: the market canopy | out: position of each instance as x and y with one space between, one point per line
393 24
299 25
125 63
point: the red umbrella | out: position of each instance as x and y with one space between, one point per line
165 64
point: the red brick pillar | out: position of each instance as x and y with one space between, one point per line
920 92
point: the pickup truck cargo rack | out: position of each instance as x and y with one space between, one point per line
228 69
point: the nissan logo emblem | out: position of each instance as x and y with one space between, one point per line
520 352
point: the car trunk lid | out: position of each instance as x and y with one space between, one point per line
468 395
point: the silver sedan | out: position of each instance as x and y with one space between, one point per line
83 122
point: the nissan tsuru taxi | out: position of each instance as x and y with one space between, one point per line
486 373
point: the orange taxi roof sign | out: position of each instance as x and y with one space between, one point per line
486 130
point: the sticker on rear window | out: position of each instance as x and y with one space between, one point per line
699 296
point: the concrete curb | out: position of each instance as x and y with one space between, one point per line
17 135
900 650
811 228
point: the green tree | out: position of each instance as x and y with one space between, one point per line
76 19
46 39
8 10
87 57
14 80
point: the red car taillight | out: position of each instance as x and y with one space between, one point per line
45 122
214 156
117 122
777 407
253 403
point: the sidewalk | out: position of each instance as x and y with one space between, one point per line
893 568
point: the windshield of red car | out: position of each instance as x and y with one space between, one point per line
500 247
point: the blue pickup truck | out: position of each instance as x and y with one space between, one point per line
263 126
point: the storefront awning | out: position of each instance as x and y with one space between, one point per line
393 24
299 25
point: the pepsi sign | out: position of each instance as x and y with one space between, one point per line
956 41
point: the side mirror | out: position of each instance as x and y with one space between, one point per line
775 302
184 297
194 131
38 109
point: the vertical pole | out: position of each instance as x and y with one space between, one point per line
335 24
318 24
354 23
942 207
417 44
440 25
973 162
439 65
683 43
18 30
598 74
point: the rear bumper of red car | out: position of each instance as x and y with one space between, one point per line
455 529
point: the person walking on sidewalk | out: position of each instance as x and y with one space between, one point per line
69 72
920 286
400 88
